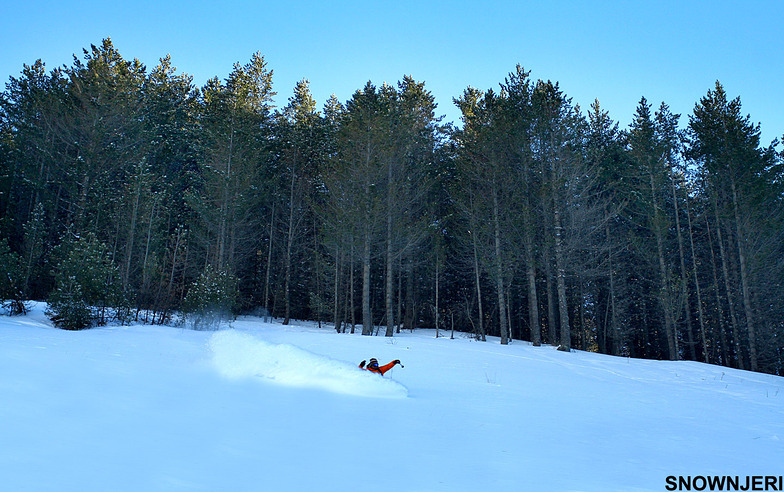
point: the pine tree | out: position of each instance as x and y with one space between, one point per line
11 280
606 155
519 118
413 136
726 144
104 125
558 142
646 152
211 299
32 109
160 180
299 135
87 290
355 202
34 248
229 183
484 171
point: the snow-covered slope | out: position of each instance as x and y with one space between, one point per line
266 407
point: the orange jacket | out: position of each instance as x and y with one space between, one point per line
379 369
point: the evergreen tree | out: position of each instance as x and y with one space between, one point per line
229 183
211 299
87 290
159 181
606 154
519 117
558 142
484 199
299 164
355 202
36 164
34 249
11 293
414 135
740 177
103 124
646 152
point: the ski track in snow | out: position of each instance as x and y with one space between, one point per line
239 355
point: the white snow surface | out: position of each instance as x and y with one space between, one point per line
238 355
266 407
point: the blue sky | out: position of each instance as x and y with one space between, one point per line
617 52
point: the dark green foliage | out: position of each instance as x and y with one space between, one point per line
741 183
227 190
67 308
11 296
87 286
211 299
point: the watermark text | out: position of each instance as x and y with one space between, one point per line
725 483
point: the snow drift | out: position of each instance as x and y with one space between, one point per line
240 355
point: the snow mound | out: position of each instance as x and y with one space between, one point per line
239 355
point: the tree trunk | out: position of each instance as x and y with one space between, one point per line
535 326
665 297
684 275
336 307
410 306
614 330
145 270
700 313
390 275
131 234
730 302
399 304
581 314
319 294
533 306
478 287
744 282
390 281
367 321
552 315
530 270
224 205
499 281
563 311
269 261
436 300
289 241
351 290
723 354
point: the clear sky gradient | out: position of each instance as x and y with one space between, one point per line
617 52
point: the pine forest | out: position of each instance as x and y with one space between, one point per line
129 194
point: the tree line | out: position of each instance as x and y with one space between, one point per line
132 194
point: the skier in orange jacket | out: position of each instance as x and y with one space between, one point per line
374 367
